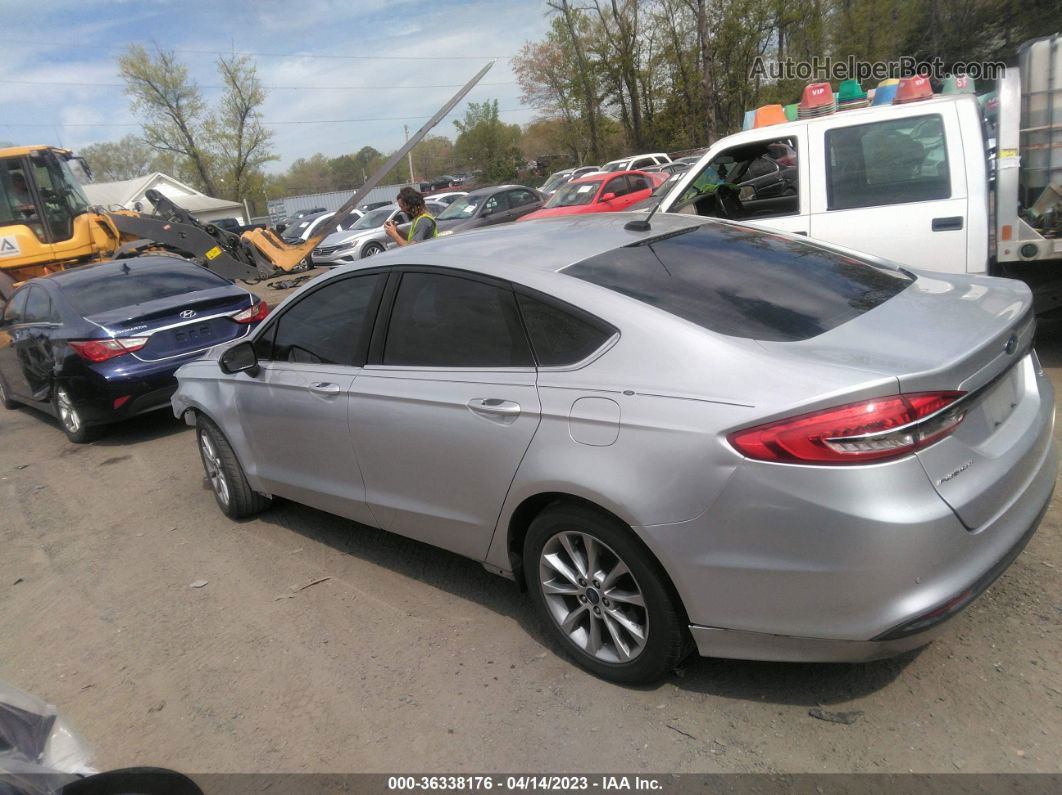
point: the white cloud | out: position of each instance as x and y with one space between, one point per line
77 41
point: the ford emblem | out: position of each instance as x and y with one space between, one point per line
1012 344
191 313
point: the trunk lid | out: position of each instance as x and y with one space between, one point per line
180 324
958 333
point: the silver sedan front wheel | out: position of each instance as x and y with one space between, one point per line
214 472
593 597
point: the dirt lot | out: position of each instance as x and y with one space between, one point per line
411 659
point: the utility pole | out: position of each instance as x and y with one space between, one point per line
409 154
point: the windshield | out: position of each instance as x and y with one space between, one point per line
373 218
615 165
554 182
575 194
465 207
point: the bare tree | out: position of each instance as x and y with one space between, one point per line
237 132
175 115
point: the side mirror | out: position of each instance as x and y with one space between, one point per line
608 197
239 359
747 193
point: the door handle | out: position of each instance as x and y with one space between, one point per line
950 224
495 408
324 388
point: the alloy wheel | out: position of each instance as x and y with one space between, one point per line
67 413
212 464
593 597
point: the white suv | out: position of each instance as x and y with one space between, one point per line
636 162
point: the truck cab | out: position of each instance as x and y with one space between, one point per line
904 182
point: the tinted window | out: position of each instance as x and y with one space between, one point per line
518 198
618 186
496 203
16 310
887 162
447 321
637 183
92 292
561 337
38 307
744 282
327 326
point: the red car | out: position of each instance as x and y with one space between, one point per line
599 193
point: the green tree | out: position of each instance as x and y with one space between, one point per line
217 150
113 161
172 107
237 134
486 144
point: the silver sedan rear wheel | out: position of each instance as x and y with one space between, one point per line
593 597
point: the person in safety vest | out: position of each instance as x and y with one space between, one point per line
423 226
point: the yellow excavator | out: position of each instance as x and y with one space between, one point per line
47 224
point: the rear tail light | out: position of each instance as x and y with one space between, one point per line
253 313
871 430
102 350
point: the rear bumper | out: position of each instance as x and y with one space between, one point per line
143 390
794 563
912 634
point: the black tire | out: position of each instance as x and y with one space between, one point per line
666 637
70 419
371 249
5 398
232 492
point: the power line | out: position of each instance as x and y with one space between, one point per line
279 88
270 123
326 56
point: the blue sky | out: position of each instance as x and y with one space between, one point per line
59 82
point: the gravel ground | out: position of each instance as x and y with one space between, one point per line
411 659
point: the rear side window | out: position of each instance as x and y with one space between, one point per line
16 310
93 292
561 336
38 307
325 327
447 321
744 282
887 162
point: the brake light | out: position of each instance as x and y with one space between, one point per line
102 350
871 430
253 313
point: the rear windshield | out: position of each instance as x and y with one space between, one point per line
93 292
745 282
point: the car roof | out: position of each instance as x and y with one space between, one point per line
546 244
497 188
86 273
604 175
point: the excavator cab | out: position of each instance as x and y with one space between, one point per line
44 214
38 190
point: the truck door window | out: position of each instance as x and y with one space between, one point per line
16 201
58 213
887 162
757 180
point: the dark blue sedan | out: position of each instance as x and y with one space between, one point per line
100 343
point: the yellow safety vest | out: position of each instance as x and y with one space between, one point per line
413 227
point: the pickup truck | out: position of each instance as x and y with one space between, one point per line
930 184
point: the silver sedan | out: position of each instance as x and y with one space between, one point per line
701 436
